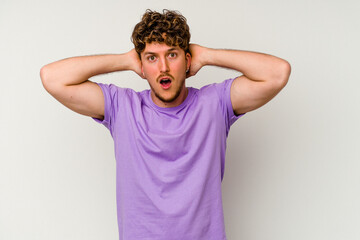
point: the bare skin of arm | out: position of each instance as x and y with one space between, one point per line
263 75
67 79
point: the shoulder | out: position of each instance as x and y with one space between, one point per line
221 89
113 90
214 93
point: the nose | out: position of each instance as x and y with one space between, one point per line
164 65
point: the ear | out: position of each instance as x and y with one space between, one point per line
142 71
188 60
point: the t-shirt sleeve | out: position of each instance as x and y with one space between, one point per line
223 90
111 94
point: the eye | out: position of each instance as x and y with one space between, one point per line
172 55
151 58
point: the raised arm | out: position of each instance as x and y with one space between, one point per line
263 75
67 79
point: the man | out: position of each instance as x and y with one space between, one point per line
170 140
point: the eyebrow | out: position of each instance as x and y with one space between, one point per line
154 53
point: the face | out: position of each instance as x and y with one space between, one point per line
165 69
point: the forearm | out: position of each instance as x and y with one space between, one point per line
76 70
255 66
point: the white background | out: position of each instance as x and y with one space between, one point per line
292 168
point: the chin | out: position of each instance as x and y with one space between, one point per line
168 96
169 99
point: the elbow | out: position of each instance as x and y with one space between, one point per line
283 74
46 79
44 76
286 71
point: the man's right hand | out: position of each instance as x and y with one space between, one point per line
135 62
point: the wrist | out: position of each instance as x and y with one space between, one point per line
208 56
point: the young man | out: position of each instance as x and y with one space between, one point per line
170 140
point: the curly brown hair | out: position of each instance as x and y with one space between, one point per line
169 27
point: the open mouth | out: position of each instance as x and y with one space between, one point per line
165 83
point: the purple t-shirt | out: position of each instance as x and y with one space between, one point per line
169 162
